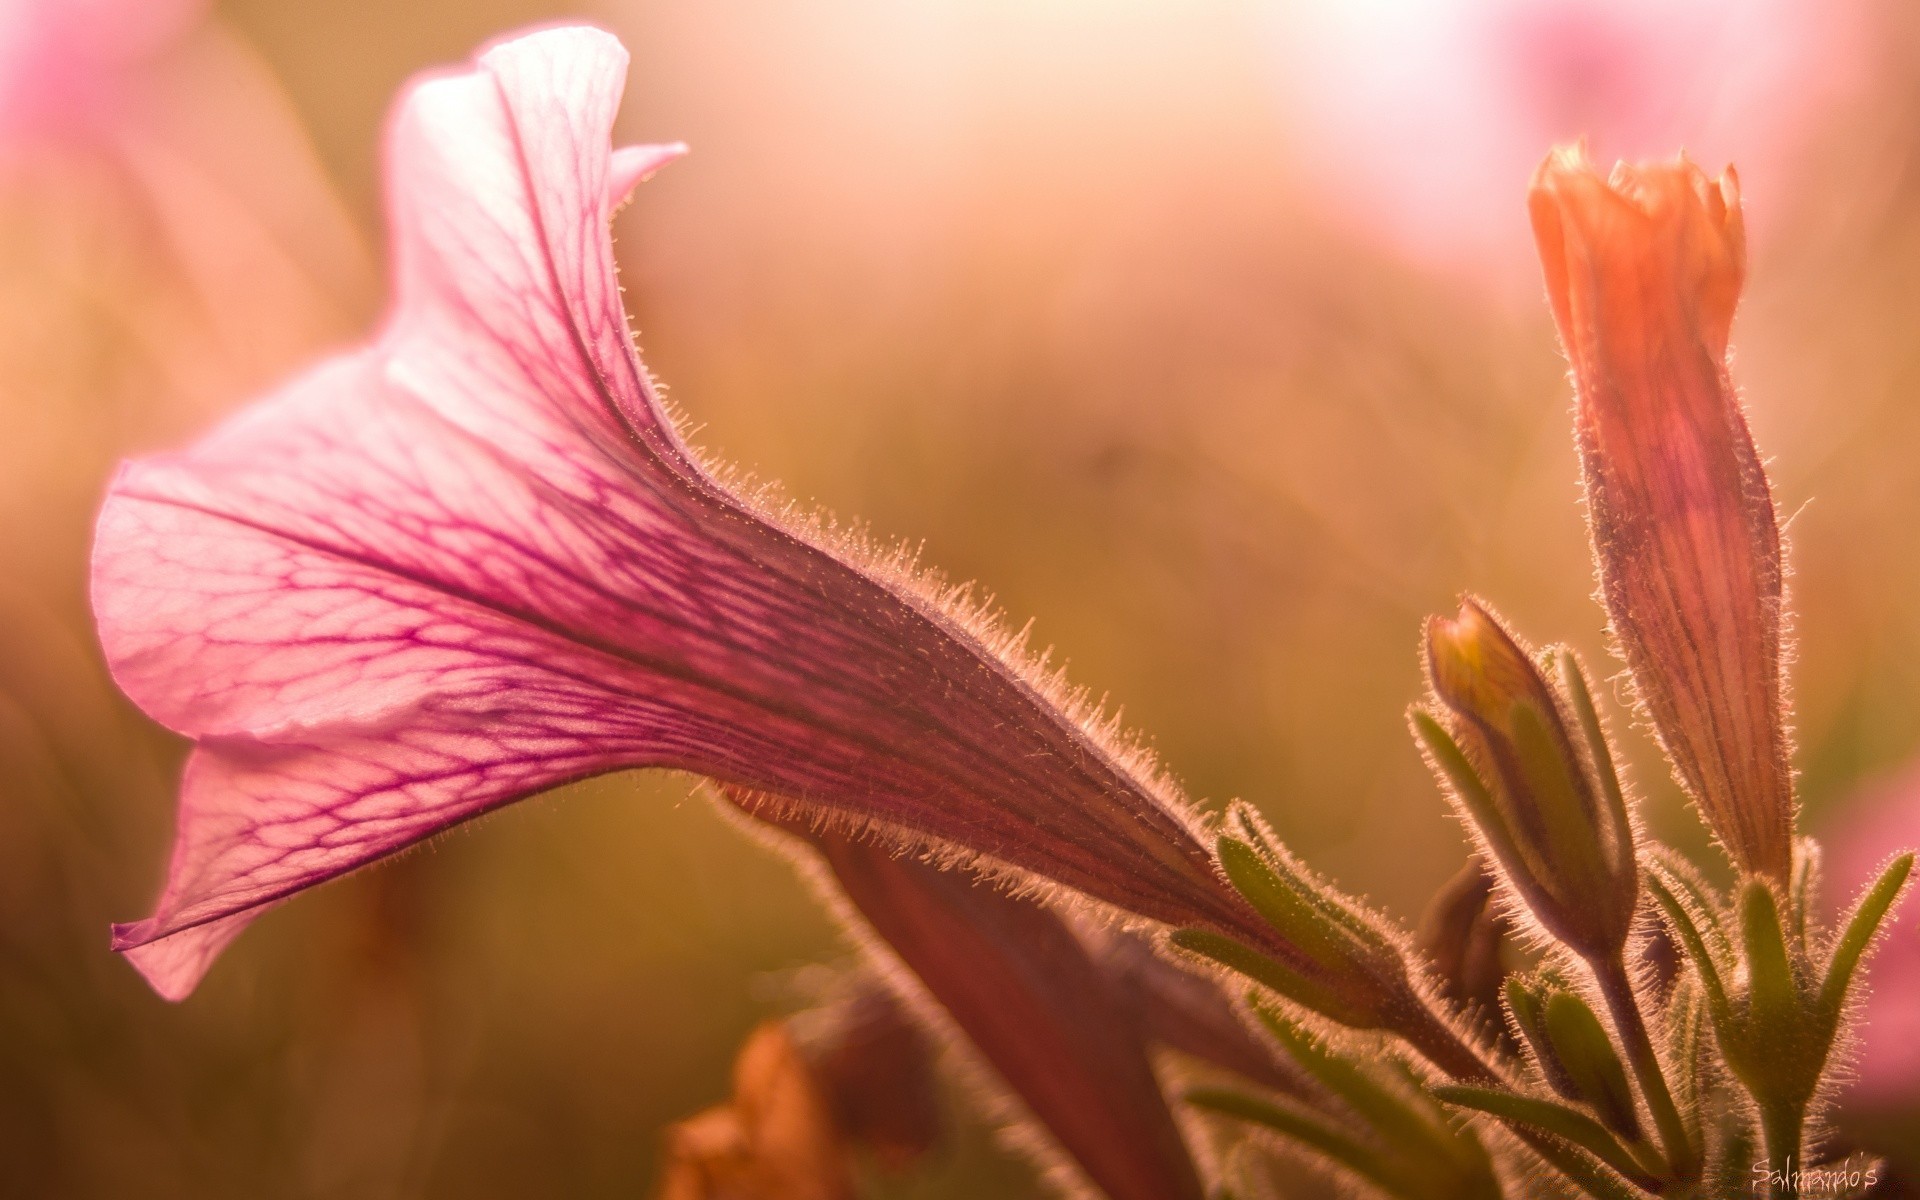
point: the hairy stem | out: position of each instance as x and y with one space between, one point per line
1617 989
1781 1126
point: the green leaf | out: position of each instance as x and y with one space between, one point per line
1551 1117
1588 1056
1868 913
1681 920
1388 1109
1573 683
1327 1139
1276 975
1465 783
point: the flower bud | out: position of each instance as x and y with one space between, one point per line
1464 935
1644 269
1527 762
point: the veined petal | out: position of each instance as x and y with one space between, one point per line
1644 269
1056 1028
473 560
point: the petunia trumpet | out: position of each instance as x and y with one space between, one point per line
473 560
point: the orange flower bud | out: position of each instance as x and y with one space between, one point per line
1644 269
1535 780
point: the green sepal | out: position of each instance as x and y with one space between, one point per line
1780 1050
1708 909
1587 1055
1573 684
1465 784
1271 973
1868 912
1309 1131
1390 1111
1246 825
1687 1039
1444 1159
1573 857
1526 1001
1803 886
1550 1117
1682 921
1774 998
1301 922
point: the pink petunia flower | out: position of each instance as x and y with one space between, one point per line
1422 119
63 63
473 560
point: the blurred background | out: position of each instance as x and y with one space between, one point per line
1205 333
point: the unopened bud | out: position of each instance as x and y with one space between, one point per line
1527 762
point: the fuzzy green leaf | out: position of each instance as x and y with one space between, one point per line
1551 1117
1868 913
1573 682
1681 920
1395 1114
1588 1056
1310 1131
1263 970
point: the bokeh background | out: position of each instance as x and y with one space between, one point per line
1204 333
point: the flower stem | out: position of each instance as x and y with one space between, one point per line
1780 1127
1617 989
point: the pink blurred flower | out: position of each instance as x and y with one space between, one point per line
64 63
1423 119
473 560
1880 822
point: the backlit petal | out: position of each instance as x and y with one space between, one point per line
473 560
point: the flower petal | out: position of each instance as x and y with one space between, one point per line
1644 270
1046 1017
473 560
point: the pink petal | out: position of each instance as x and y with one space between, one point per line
1048 1020
473 560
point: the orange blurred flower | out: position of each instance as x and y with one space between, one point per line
1644 269
774 1140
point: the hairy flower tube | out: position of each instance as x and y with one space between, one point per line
1644 268
472 560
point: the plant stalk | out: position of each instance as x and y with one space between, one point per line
1781 1126
1617 989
